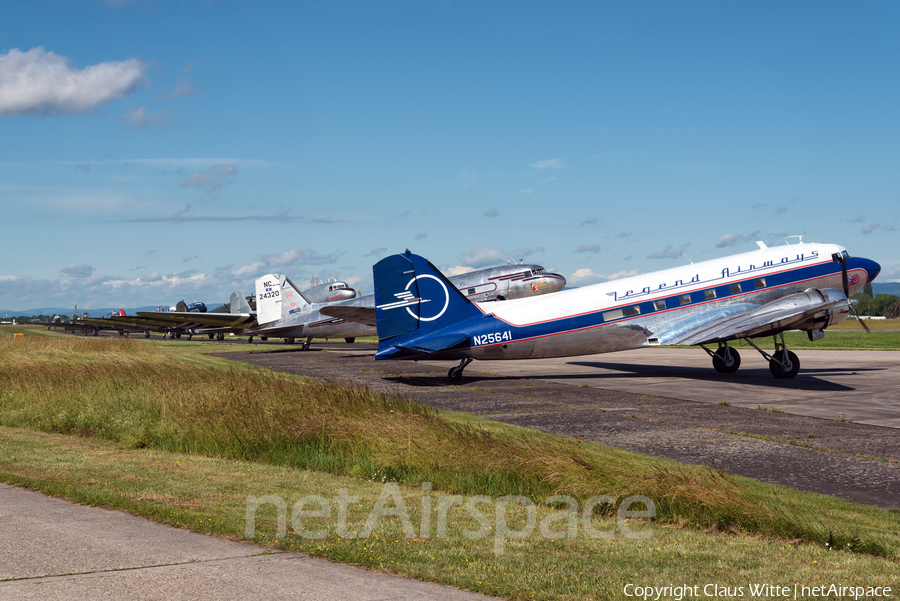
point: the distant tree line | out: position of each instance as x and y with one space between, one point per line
877 305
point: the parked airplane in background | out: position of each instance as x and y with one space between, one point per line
283 312
328 292
494 283
420 314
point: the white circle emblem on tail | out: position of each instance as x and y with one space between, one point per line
446 298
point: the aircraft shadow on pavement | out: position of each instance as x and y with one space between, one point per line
807 379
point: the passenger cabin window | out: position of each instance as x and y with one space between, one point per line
620 313
759 283
471 291
735 289
659 305
709 294
684 299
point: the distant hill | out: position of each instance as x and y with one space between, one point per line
67 311
888 288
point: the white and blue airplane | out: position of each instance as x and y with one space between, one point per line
421 315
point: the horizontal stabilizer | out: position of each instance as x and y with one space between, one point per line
433 346
363 315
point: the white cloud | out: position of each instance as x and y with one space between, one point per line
248 270
588 248
548 164
491 213
483 256
38 81
728 240
586 276
870 228
458 270
526 190
141 119
213 179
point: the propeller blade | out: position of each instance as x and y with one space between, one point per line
862 322
844 280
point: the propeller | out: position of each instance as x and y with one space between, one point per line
846 285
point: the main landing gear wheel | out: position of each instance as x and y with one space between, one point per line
263 338
289 340
349 340
726 360
146 333
784 367
220 336
306 344
211 336
455 373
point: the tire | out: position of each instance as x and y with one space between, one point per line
289 340
220 336
455 374
349 340
778 369
722 366
263 338
211 336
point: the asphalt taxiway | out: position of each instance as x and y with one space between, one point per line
862 386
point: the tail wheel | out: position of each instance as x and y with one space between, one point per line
726 364
784 369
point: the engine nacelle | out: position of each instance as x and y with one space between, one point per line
824 318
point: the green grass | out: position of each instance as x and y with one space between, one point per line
209 495
146 401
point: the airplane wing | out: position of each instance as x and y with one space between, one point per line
363 315
751 321
207 319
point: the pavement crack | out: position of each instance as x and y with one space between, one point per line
4 581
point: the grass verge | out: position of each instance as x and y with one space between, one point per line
209 495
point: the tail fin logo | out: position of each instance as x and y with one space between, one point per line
428 293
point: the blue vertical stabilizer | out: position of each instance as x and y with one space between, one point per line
413 302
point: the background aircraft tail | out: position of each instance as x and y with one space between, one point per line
414 301
277 298
238 303
268 298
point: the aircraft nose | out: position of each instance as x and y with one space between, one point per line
872 269
555 282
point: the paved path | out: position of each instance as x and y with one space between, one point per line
51 549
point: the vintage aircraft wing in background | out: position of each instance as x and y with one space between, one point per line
420 314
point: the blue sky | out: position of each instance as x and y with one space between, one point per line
157 151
